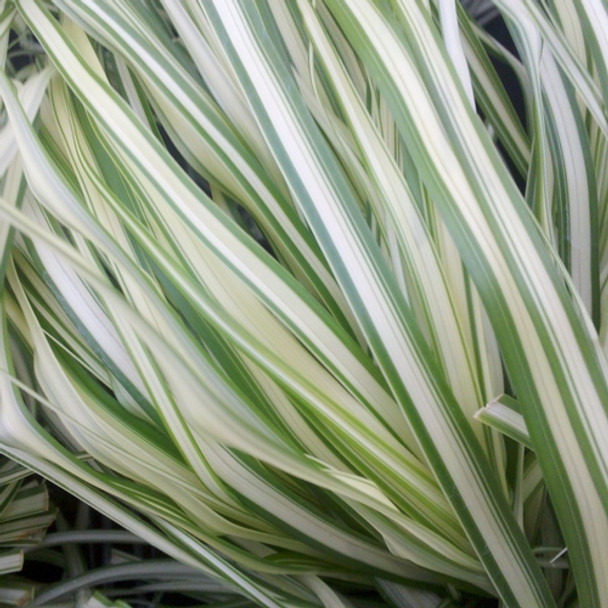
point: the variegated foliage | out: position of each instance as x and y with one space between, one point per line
283 308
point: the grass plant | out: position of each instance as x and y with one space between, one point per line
292 292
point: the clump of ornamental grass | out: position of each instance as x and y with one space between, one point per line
292 293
